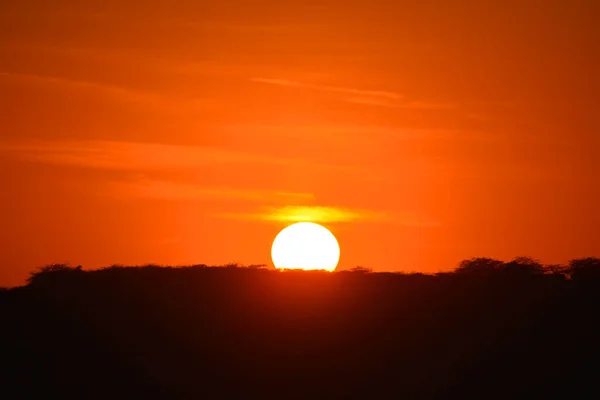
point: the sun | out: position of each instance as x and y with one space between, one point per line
305 245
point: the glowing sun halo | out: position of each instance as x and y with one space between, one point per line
305 245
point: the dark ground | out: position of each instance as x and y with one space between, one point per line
484 332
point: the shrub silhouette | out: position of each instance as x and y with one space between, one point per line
53 272
360 270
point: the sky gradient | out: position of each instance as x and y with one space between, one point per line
421 133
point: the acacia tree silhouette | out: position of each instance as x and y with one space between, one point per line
479 266
584 268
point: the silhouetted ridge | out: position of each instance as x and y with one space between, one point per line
490 329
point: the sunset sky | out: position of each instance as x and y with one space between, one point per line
420 133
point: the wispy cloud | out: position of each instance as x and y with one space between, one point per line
133 156
345 90
124 93
320 214
370 101
171 190
305 213
380 98
412 105
155 160
427 105
327 214
116 92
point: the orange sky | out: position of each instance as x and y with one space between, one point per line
420 132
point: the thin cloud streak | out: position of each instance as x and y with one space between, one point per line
124 94
132 156
380 98
411 105
372 102
374 93
170 190
424 105
324 214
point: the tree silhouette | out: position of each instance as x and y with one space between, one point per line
523 266
585 269
479 266
557 269
488 267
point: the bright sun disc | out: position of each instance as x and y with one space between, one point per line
305 245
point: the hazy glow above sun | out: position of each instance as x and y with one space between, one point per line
305 245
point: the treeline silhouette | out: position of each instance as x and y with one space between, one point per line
487 330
